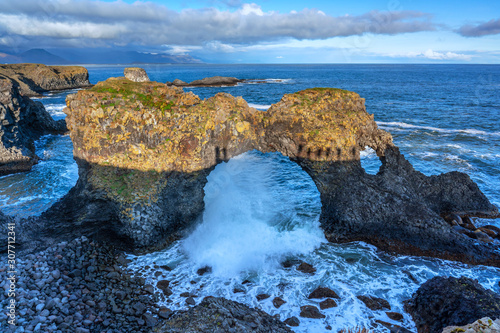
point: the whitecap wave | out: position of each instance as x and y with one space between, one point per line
474 132
259 106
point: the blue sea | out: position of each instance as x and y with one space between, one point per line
262 208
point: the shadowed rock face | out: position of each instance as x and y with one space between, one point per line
144 151
22 121
35 79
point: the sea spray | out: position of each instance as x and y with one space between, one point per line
250 222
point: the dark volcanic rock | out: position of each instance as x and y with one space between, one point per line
442 302
35 79
221 315
374 303
278 302
22 121
144 151
310 311
292 321
304 267
327 304
323 292
136 74
215 81
395 316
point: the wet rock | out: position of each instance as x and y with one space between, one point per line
306 268
323 292
204 270
163 285
190 301
238 290
374 303
327 304
310 311
261 297
292 321
290 262
278 302
442 302
164 312
393 328
395 316
221 315
136 74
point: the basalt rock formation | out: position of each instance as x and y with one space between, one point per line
35 79
442 302
215 81
144 152
22 121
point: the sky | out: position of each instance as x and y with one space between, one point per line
266 31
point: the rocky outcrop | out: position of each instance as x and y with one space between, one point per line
136 74
216 314
483 325
215 81
22 121
35 79
442 302
144 151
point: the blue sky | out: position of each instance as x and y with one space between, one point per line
277 31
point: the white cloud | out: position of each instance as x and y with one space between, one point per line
251 8
433 55
86 22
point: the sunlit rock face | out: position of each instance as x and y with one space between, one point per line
144 152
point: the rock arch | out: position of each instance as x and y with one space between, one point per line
144 151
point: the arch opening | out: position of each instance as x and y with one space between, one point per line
259 209
370 162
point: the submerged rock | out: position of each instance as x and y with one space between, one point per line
323 292
144 151
310 311
374 303
442 302
35 79
215 314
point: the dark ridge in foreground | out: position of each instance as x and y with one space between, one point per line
145 149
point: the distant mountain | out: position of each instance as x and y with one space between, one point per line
107 56
38 56
93 56
41 56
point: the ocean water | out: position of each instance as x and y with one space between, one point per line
262 209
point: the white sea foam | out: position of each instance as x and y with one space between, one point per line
243 227
259 106
55 109
401 125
